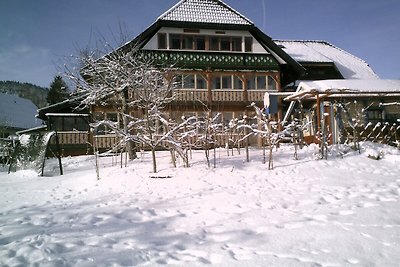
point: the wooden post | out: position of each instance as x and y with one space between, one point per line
209 91
318 116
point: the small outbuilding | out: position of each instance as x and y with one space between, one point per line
341 107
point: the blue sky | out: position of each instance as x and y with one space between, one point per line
35 36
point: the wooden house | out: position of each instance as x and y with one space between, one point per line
223 59
224 63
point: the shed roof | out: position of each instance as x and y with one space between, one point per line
351 87
17 112
204 11
362 86
350 66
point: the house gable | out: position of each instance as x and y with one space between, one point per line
213 18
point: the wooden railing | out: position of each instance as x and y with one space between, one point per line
255 95
72 138
227 95
191 95
218 95
105 141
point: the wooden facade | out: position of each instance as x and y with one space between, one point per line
221 64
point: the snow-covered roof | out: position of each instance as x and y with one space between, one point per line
346 87
66 115
367 86
350 66
204 11
17 112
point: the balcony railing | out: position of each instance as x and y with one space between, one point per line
191 95
227 96
219 95
216 60
255 95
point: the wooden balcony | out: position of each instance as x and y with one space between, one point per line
219 95
72 138
227 96
210 59
191 95
255 95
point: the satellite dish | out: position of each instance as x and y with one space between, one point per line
266 100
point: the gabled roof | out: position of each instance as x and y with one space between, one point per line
215 14
17 112
193 11
350 66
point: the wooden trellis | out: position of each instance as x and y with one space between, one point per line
384 133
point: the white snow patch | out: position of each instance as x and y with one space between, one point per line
306 212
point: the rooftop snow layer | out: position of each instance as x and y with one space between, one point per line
17 112
204 11
365 86
350 66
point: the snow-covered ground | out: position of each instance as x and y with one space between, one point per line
306 212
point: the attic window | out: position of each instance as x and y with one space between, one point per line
248 44
162 41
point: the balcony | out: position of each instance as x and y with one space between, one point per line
188 95
191 95
213 60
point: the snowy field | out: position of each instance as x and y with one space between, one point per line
306 212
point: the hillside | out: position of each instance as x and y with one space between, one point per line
29 91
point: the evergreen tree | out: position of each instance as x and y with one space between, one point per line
58 91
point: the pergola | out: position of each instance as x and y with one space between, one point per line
319 91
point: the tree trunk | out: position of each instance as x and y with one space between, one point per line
130 145
153 154
173 157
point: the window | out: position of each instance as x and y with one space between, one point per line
237 44
99 116
237 83
214 43
271 83
375 116
178 81
187 42
261 82
201 42
174 41
189 82
162 41
216 83
251 82
226 82
201 82
225 44
248 44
